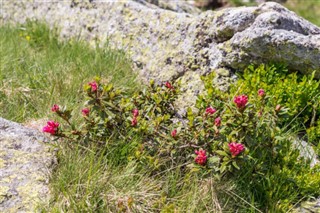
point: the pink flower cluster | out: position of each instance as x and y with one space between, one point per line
94 86
261 92
278 107
169 86
174 133
241 101
235 148
217 121
55 108
85 112
51 127
135 113
210 110
201 158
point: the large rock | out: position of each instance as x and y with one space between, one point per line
172 44
25 162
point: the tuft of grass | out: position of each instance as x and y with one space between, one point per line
93 181
308 9
38 70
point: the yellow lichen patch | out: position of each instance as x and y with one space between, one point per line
24 159
29 194
2 164
3 192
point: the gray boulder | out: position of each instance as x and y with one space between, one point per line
176 6
25 163
173 44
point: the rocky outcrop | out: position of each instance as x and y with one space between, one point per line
25 162
173 44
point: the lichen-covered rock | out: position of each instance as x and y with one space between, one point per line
176 6
308 207
173 44
25 162
306 151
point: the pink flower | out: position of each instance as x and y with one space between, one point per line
85 111
168 85
235 148
278 107
134 121
93 86
210 110
241 101
51 127
201 158
261 92
135 113
217 121
174 133
55 108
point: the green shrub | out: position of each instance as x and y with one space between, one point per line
298 96
244 135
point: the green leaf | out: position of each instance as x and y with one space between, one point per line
223 153
235 165
223 167
213 160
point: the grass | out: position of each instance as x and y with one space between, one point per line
87 182
37 70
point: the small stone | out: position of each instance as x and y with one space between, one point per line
223 72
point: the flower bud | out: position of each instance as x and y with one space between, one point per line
134 121
135 112
261 92
94 86
217 121
210 110
85 112
174 133
55 108
168 85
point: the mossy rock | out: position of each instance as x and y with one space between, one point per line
25 163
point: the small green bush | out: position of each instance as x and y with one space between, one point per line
244 135
298 96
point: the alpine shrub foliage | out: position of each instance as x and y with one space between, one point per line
244 135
